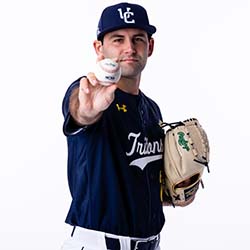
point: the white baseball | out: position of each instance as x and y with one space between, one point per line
107 71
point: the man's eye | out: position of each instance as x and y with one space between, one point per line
139 39
118 40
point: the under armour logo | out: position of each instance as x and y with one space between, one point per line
123 107
126 15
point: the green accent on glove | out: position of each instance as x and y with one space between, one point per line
182 142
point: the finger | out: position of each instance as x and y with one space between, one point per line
92 78
110 92
84 85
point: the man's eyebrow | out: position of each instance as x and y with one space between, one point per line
117 35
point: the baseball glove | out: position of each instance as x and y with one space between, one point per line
186 154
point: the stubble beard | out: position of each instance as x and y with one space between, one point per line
132 70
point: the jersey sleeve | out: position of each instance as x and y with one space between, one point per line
69 125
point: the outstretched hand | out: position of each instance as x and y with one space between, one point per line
93 96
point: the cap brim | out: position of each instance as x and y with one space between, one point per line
150 29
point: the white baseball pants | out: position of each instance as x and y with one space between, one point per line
85 239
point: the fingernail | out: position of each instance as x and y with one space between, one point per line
94 81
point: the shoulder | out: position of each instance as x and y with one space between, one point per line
151 104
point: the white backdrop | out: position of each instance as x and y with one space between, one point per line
200 68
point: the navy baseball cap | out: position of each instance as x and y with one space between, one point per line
121 16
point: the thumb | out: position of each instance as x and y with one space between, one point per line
110 92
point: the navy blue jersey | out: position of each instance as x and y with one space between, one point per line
114 167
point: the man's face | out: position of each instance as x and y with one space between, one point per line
130 47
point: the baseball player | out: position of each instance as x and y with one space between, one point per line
115 143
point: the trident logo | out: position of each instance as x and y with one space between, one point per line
126 15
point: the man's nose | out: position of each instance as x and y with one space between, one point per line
129 46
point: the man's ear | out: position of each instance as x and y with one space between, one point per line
98 47
151 46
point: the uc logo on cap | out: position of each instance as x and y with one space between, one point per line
126 15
